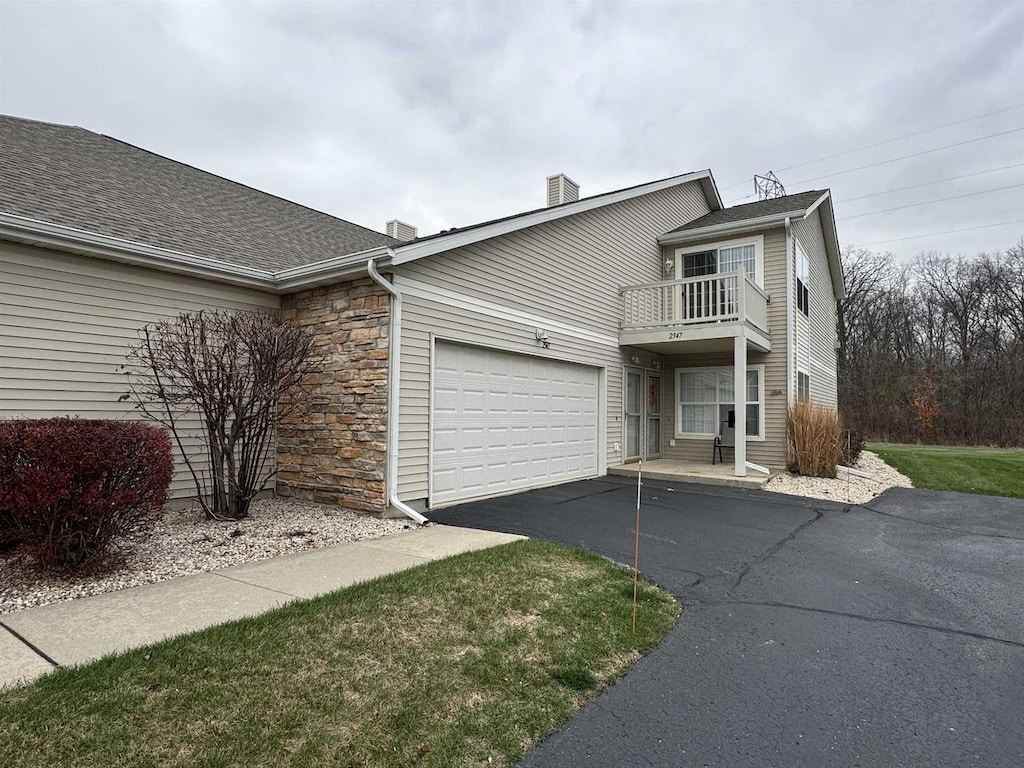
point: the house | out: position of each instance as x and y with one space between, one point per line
539 348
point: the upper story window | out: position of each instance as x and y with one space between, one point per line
723 257
802 280
803 386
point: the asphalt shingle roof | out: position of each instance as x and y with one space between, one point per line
77 178
737 213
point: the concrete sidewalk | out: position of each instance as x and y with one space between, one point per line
36 640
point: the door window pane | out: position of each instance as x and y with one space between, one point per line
654 395
632 436
632 392
698 264
731 258
653 437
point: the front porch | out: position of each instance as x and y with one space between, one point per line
711 325
691 472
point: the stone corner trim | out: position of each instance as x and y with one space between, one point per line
335 451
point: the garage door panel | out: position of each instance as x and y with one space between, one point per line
504 422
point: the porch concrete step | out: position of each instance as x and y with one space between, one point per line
681 476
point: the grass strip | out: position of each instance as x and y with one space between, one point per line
464 661
989 471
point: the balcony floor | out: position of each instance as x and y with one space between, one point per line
692 472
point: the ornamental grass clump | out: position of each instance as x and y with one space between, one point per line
815 439
70 487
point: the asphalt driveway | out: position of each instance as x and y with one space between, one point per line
813 633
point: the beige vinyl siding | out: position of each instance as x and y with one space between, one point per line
820 337
567 271
67 321
772 451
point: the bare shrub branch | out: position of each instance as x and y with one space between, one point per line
237 375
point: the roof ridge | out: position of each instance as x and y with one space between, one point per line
509 217
780 197
44 122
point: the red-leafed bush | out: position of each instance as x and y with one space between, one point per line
68 487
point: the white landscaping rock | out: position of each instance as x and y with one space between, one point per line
184 542
845 488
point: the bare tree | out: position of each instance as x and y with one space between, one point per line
949 325
240 374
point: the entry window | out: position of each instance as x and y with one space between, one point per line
706 401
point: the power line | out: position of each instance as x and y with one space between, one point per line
901 138
935 234
882 143
929 183
929 202
912 154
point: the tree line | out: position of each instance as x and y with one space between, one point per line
933 350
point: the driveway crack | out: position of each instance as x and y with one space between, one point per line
861 617
936 525
818 514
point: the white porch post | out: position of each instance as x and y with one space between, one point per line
740 400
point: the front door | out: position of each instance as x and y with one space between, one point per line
633 414
653 407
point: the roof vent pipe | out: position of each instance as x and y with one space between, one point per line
400 230
562 189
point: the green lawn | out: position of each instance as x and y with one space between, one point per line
991 471
464 661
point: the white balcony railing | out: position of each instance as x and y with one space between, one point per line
695 301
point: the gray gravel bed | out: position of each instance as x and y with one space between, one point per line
845 488
184 542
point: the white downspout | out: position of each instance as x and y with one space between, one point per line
394 382
790 314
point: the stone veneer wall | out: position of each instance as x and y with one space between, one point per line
336 450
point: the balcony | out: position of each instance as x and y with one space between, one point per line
694 313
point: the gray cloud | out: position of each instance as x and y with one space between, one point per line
448 113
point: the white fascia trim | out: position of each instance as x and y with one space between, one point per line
790 311
331 270
814 206
422 290
674 238
831 237
43 233
405 254
84 242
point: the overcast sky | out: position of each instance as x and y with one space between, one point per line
445 114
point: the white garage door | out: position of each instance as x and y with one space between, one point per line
503 422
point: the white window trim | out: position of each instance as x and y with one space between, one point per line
801 255
759 437
757 241
803 372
